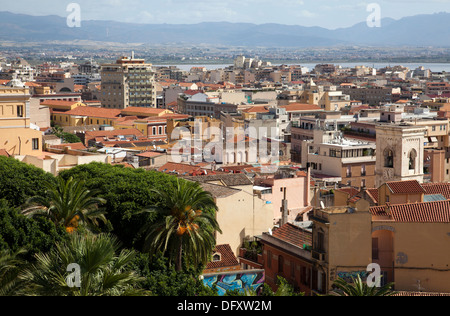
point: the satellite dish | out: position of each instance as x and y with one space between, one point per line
322 206
270 232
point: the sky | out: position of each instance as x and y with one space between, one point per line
329 14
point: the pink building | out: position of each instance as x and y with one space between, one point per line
290 184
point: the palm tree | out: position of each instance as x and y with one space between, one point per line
360 288
11 264
103 270
68 203
185 226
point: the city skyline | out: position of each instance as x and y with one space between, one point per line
330 14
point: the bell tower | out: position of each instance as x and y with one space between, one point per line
399 152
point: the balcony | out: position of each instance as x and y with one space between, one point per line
251 255
318 255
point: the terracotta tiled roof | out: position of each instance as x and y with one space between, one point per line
426 212
192 92
117 132
378 210
139 110
293 235
354 199
178 167
437 188
297 107
373 193
186 84
78 88
350 191
256 109
405 187
75 146
227 258
59 103
149 154
32 84
94 112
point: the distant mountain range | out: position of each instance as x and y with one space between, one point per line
419 30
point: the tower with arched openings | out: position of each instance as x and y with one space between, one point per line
399 153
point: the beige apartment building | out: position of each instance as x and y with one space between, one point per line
16 135
241 213
129 82
329 99
342 161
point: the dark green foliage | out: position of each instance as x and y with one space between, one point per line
185 226
19 181
70 138
104 268
358 287
18 231
163 280
126 191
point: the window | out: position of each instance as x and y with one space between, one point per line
389 158
216 257
35 143
412 159
154 130
375 250
20 111
349 171
363 170
280 264
320 244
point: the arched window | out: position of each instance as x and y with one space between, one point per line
389 158
412 159
216 257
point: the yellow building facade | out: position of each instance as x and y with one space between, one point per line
16 136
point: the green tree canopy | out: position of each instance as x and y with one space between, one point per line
161 278
18 231
104 269
185 225
126 191
20 181
68 204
